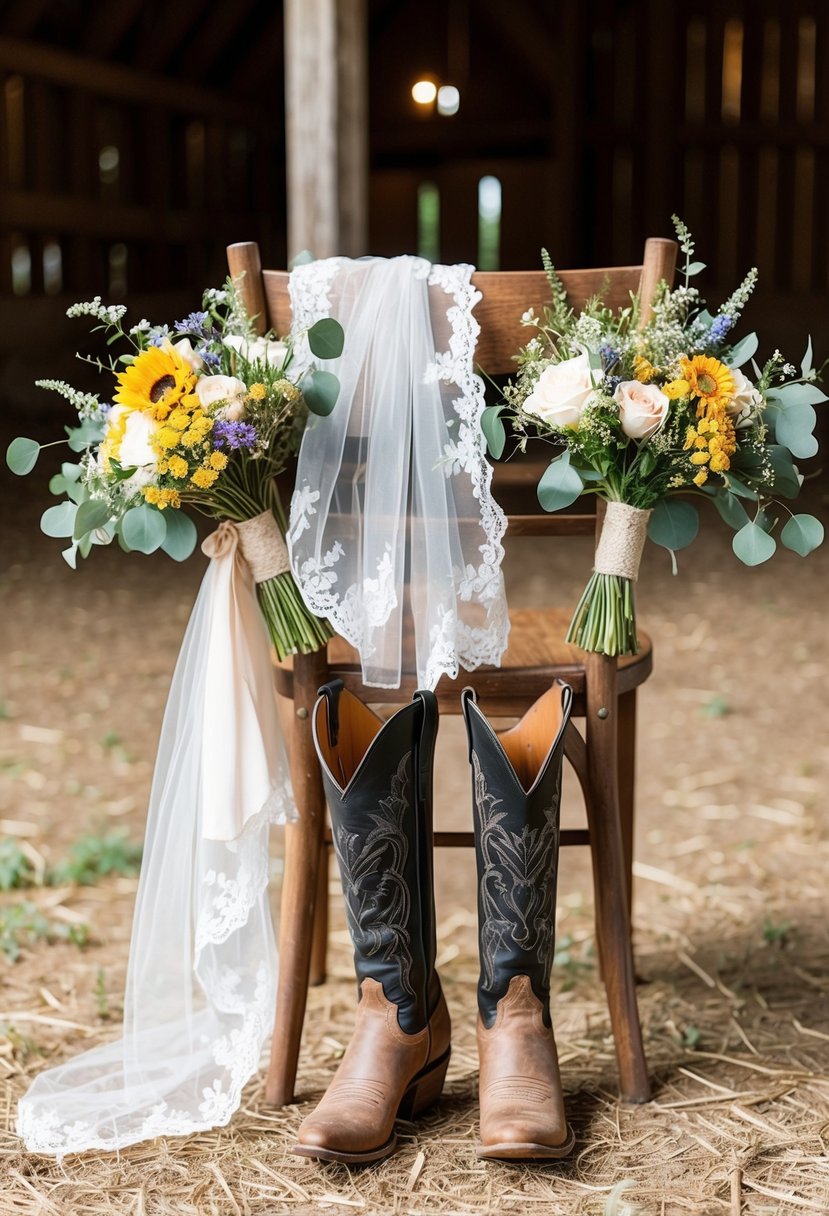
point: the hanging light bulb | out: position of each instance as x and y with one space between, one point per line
424 92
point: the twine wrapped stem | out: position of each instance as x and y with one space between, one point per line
263 547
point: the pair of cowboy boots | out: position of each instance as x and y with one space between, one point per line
378 781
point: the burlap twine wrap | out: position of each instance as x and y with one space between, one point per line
263 547
620 546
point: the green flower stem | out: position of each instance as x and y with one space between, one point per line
605 617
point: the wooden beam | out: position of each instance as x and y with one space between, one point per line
22 16
162 39
211 36
120 84
326 125
107 25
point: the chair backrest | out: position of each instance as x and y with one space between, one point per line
506 295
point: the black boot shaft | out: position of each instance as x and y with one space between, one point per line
379 797
516 816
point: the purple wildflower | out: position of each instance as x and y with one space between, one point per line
609 355
611 383
234 435
720 327
158 335
195 323
211 359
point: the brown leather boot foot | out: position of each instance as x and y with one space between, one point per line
385 1074
522 1109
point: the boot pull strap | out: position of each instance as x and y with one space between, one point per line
468 696
428 733
567 697
331 691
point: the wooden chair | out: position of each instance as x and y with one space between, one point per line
605 691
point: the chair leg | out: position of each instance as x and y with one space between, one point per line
319 947
303 841
613 925
626 735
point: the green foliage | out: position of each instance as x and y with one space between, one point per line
21 455
674 523
717 707
326 338
691 1037
560 485
802 534
15 868
94 857
180 537
776 932
494 430
24 924
753 545
320 390
101 995
143 529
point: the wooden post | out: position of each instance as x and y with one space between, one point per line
326 109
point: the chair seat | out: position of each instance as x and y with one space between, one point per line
537 654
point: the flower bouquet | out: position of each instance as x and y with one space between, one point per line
650 412
205 416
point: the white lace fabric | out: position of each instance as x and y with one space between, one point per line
201 977
394 487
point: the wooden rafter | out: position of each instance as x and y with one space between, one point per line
107 25
212 34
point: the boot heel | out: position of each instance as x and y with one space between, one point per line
425 1090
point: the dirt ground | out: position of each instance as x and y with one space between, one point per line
732 937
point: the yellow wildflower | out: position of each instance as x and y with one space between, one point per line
257 392
700 457
218 460
165 438
289 391
691 437
204 478
719 462
179 419
178 467
643 369
676 388
701 477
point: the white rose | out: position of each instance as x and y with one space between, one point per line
562 392
184 349
746 399
258 350
227 391
136 449
642 408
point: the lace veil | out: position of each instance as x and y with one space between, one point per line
393 488
201 978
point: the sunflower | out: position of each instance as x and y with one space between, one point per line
709 380
156 382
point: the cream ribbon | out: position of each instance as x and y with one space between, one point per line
240 758
620 546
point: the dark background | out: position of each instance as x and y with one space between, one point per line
140 137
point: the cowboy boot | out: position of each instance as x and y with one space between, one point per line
516 797
378 782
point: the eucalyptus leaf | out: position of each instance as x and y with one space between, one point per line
84 436
559 485
84 544
743 351
59 520
752 545
731 509
91 514
325 338
806 361
793 427
180 540
144 529
72 472
798 394
320 390
694 268
77 491
494 430
70 555
737 487
22 454
673 524
58 485
802 534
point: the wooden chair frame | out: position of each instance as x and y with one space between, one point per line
605 696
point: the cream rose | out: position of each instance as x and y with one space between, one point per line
746 398
258 350
226 392
136 449
184 349
642 408
562 392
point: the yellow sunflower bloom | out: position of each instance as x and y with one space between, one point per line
155 382
708 379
